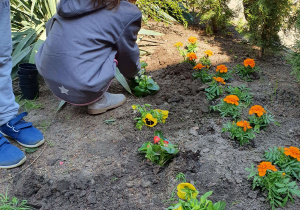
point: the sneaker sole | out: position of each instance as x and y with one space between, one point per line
15 165
100 111
26 145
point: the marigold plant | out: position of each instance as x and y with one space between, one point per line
188 52
208 53
160 151
247 70
202 73
214 89
150 117
240 131
242 93
285 159
222 69
229 106
178 44
260 117
192 40
249 62
278 187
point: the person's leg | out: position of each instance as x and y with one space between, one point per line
10 156
8 106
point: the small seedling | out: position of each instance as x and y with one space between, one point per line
110 121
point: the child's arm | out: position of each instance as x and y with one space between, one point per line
128 50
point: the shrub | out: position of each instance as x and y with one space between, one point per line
295 58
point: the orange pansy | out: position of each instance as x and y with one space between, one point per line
232 99
257 109
249 62
264 166
244 124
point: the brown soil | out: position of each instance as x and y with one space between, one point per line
102 168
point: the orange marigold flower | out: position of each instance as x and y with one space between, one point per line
222 69
219 79
249 62
178 44
199 66
257 109
191 56
232 99
293 152
208 53
244 124
283 174
264 166
192 40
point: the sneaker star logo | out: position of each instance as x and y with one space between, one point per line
63 90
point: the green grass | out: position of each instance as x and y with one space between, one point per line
13 203
28 104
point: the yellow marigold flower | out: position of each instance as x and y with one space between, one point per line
283 174
257 109
232 99
219 79
165 114
191 56
184 186
222 69
293 152
208 53
249 62
199 66
192 40
178 44
264 166
149 120
133 107
244 124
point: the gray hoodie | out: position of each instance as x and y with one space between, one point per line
77 58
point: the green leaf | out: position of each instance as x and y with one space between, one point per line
119 76
205 196
31 150
61 104
149 32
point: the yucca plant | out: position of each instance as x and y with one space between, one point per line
28 20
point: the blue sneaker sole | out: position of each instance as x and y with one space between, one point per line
15 165
26 145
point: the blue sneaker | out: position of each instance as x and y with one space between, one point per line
23 132
10 156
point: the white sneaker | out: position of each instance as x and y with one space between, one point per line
108 101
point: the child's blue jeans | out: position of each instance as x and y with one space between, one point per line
8 106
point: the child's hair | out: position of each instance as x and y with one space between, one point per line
109 3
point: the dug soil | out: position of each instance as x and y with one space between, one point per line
92 162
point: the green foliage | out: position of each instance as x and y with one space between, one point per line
227 109
262 121
278 187
143 85
215 15
214 90
265 19
28 105
203 75
188 52
202 204
245 72
167 11
13 203
242 93
237 133
205 61
289 165
295 58
28 20
160 151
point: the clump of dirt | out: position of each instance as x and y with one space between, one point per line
90 164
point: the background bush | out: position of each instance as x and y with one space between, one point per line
295 59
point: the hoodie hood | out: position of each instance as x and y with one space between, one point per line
73 8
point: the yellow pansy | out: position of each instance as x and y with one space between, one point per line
182 191
149 120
